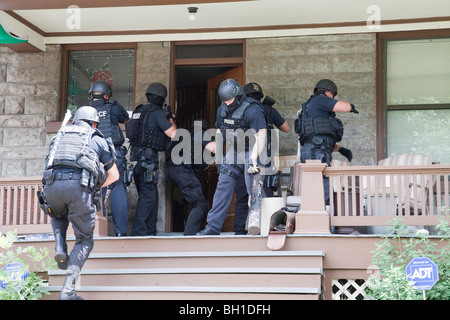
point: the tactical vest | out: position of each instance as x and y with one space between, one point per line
307 127
143 135
106 126
71 148
230 122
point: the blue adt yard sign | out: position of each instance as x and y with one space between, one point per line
13 271
423 272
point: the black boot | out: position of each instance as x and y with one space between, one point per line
61 255
68 289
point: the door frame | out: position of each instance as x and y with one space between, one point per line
174 63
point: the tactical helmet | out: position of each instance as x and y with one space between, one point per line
157 89
230 89
254 89
101 86
327 85
86 113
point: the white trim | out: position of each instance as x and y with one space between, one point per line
246 34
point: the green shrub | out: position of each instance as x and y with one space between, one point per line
396 250
33 286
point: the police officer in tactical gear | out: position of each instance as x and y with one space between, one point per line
318 128
149 131
240 119
111 114
274 119
80 162
186 175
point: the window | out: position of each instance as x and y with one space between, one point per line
418 97
113 66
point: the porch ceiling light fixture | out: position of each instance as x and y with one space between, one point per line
7 37
192 11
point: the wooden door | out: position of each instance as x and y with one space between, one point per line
212 98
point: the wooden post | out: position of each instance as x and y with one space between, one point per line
312 216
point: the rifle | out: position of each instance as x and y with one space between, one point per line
67 117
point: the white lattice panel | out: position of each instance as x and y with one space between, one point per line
348 289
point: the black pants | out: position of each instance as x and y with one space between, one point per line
75 201
185 179
147 205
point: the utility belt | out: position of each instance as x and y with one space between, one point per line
231 173
85 177
86 180
138 153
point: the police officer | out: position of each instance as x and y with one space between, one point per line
239 119
273 117
318 128
111 114
75 171
184 175
148 132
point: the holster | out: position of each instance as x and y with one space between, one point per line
149 171
43 204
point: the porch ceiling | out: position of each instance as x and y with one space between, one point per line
158 20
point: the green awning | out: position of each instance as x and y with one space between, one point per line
6 37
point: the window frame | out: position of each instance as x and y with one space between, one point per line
66 49
382 107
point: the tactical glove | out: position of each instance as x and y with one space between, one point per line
253 167
354 109
346 153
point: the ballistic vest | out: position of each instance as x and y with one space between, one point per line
141 132
106 126
71 148
231 122
307 127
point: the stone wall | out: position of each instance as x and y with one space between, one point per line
288 68
29 88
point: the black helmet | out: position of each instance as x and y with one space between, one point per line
327 85
254 90
101 86
157 89
230 89
86 113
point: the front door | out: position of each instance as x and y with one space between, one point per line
198 100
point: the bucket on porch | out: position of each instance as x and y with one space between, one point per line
269 205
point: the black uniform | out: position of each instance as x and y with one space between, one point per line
111 114
147 137
74 173
320 130
184 177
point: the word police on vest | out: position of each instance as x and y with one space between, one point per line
102 114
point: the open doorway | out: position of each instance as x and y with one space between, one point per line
198 68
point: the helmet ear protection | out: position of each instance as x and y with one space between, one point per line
86 113
326 84
100 86
230 89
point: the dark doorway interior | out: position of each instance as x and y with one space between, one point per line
191 104
191 89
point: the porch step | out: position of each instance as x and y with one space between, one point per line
198 275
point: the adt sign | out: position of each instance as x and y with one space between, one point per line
13 272
423 272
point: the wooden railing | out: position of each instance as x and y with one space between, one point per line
19 207
373 195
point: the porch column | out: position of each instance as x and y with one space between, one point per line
312 216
